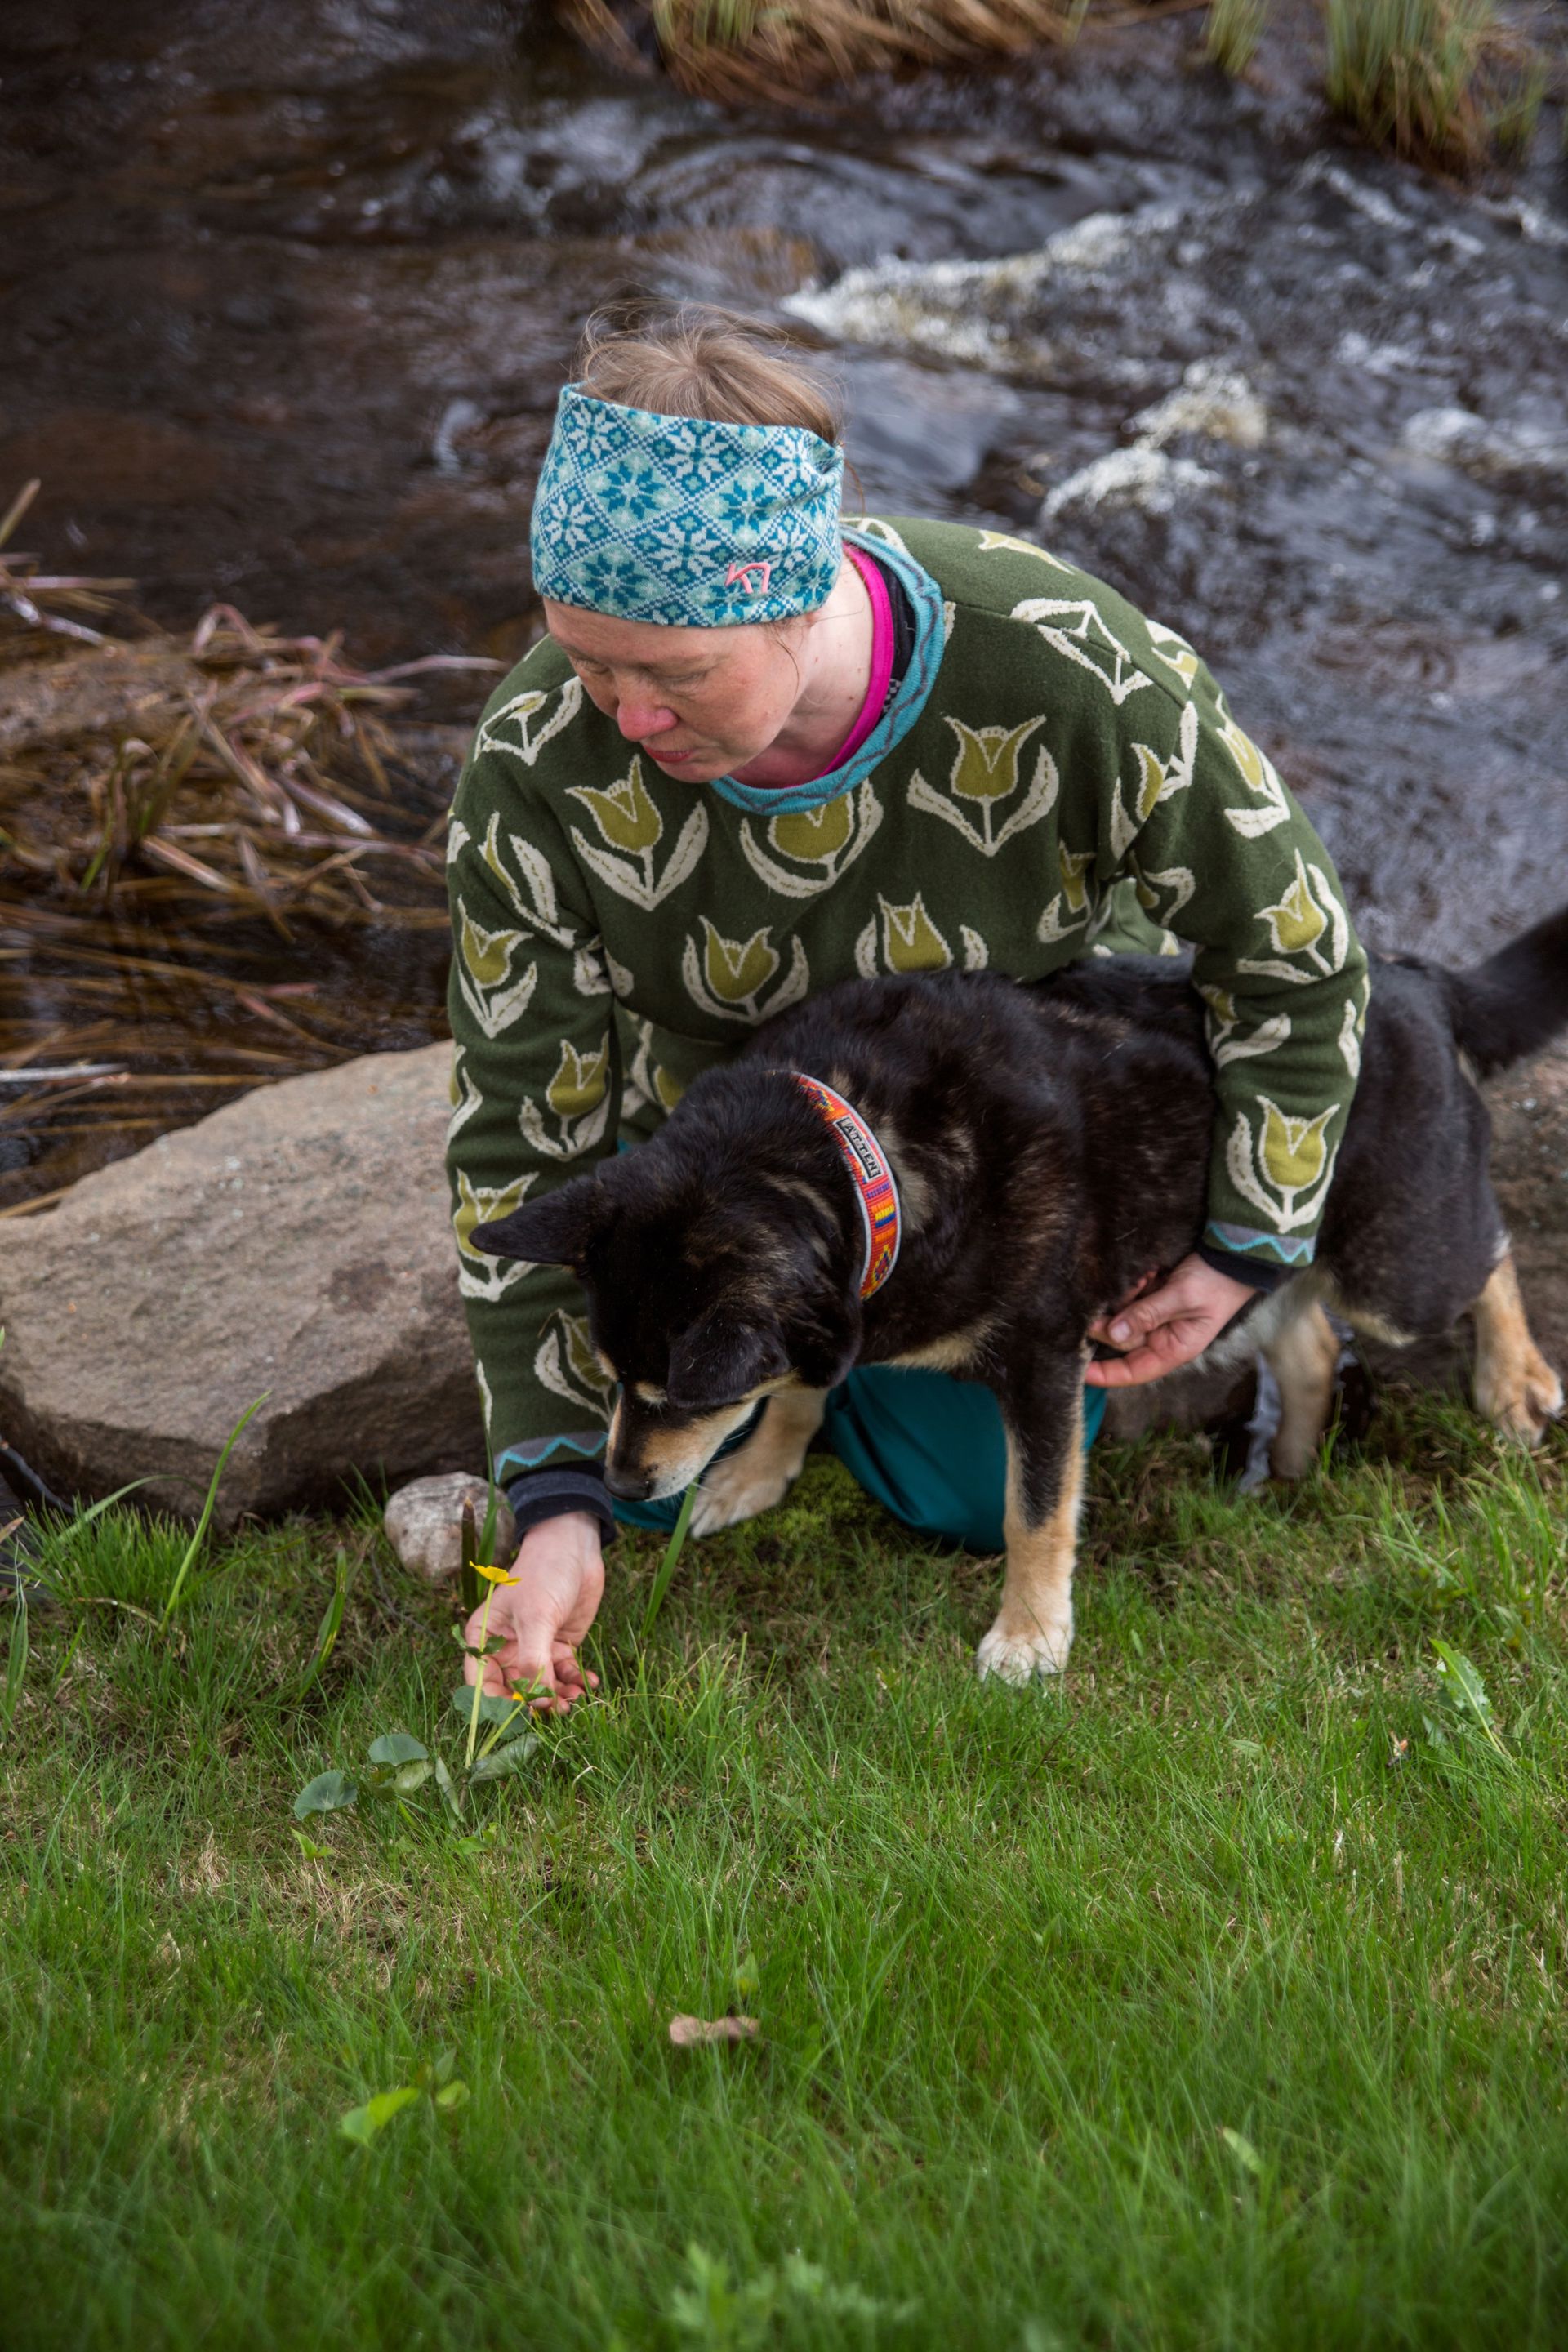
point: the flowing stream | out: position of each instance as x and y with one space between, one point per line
288 295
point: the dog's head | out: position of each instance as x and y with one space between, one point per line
708 1287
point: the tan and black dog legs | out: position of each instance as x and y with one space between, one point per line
1302 1358
1516 1389
1033 1632
760 1472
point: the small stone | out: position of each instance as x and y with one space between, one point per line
424 1524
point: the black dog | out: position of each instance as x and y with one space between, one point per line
1049 1145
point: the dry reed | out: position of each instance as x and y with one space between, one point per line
168 804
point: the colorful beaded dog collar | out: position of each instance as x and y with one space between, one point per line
869 1166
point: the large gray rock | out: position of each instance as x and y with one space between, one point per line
297 1242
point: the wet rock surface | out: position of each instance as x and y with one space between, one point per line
290 300
296 1246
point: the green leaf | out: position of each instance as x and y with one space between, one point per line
311 1850
451 2094
493 1709
1465 1690
450 1796
324 1794
361 2124
444 2066
398 1747
748 1978
1461 1682
330 1624
1241 2148
409 1776
510 1757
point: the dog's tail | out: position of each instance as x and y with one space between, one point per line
1515 1003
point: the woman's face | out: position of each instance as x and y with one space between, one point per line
701 702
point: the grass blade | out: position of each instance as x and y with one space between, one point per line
666 1565
330 1624
199 1537
15 1661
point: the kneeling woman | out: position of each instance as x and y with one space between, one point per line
760 752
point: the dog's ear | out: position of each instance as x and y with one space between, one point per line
554 1230
720 1359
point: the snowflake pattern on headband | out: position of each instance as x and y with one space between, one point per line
684 521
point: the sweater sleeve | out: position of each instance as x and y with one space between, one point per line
535 1088
1222 855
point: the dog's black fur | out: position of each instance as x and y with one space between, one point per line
1051 1144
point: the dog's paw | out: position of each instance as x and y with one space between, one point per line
1521 1399
736 1489
1020 1658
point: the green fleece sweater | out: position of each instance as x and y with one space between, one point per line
618 931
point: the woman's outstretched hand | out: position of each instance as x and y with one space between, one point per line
1167 1327
543 1618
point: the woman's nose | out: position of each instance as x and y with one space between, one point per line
638 717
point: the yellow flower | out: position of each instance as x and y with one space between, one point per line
736 969
1071 864
813 834
578 1086
910 941
488 954
1293 1151
623 814
481 1204
1296 922
1246 754
495 1575
1152 775
986 767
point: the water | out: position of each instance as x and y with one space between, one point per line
288 294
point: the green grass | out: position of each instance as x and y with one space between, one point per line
1022 1962
1440 81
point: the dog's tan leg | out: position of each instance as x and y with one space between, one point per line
1033 1632
760 1472
1515 1388
1302 1357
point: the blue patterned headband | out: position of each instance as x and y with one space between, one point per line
679 519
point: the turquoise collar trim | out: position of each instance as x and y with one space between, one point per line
914 690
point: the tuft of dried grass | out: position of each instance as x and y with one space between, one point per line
742 50
1440 82
238 760
183 821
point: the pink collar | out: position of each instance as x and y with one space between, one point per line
872 1170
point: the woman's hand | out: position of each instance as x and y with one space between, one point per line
1168 1327
541 1619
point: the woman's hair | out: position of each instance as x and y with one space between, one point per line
696 361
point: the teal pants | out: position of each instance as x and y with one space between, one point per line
931 1449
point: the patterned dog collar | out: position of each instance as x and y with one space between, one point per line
872 1170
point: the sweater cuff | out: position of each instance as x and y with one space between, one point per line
540 1494
1255 1271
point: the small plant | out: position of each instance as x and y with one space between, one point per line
331 1622
1467 1708
437 2081
1437 80
1232 31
